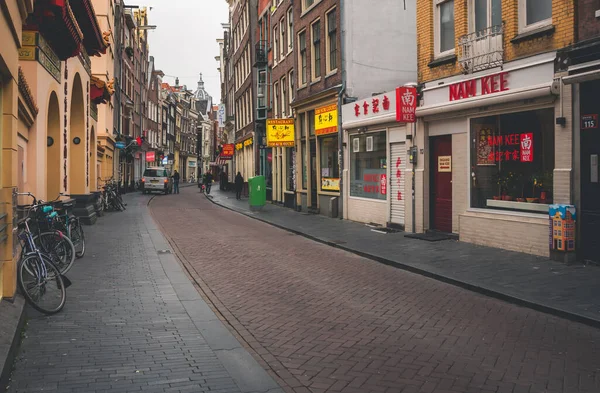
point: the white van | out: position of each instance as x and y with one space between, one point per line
157 178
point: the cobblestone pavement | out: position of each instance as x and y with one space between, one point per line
133 322
322 319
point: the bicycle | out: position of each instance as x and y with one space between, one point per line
71 226
37 275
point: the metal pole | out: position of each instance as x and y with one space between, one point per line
414 151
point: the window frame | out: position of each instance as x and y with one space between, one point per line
291 93
473 16
523 26
275 44
306 8
328 69
302 55
283 39
437 40
313 42
276 99
284 98
290 26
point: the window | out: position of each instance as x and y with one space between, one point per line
444 27
284 98
534 13
331 42
311 122
304 171
368 165
262 82
512 160
291 91
290 21
302 60
330 169
487 13
307 4
276 100
282 44
275 45
316 50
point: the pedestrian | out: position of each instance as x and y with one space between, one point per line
239 184
175 182
209 179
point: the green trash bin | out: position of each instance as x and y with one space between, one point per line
258 192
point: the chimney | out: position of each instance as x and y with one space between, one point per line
176 82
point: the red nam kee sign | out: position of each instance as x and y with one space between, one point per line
479 87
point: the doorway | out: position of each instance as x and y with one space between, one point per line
590 178
313 173
441 183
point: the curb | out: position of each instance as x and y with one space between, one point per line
436 276
13 350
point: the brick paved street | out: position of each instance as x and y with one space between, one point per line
323 319
133 322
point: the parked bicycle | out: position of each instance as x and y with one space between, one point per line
40 280
110 197
69 225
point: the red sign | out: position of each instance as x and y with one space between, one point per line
383 184
527 147
589 121
228 151
479 87
406 104
150 156
376 105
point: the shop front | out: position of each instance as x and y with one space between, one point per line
244 157
375 175
494 155
281 154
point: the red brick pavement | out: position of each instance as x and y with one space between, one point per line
324 320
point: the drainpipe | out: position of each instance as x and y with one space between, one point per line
340 103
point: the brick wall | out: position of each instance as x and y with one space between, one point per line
563 19
588 24
286 63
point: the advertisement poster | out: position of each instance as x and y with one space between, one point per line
445 164
280 133
228 150
370 184
330 183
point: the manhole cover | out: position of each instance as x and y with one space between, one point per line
164 251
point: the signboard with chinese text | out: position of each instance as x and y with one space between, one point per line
280 133
330 183
372 185
379 106
445 164
527 147
406 104
326 120
150 156
589 121
228 151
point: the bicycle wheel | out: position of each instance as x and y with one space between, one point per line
77 237
42 284
59 247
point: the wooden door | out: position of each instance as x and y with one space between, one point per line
441 183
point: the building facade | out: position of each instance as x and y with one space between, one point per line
494 131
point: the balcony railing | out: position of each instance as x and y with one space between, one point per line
481 50
262 53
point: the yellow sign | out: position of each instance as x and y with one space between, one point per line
445 164
248 142
239 146
280 132
330 184
326 120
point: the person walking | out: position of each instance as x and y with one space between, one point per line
209 180
175 182
239 184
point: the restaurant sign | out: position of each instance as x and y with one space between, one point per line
227 152
479 87
326 120
280 132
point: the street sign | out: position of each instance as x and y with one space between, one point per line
120 145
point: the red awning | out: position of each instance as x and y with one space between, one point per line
100 91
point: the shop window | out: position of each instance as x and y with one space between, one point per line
304 171
368 166
311 122
512 161
330 169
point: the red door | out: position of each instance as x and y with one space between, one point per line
441 183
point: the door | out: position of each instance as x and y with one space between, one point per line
397 181
313 173
441 183
590 179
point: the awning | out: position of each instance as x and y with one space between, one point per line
100 91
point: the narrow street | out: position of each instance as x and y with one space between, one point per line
321 319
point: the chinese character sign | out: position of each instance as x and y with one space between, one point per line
406 104
527 147
326 120
280 132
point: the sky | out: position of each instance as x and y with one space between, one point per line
184 42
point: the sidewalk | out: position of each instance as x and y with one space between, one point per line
133 322
571 292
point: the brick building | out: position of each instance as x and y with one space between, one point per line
494 124
579 69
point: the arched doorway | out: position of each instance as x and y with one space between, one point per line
93 161
77 140
53 144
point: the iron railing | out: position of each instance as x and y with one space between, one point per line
482 49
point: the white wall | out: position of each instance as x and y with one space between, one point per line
380 45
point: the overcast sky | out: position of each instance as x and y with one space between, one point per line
184 42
